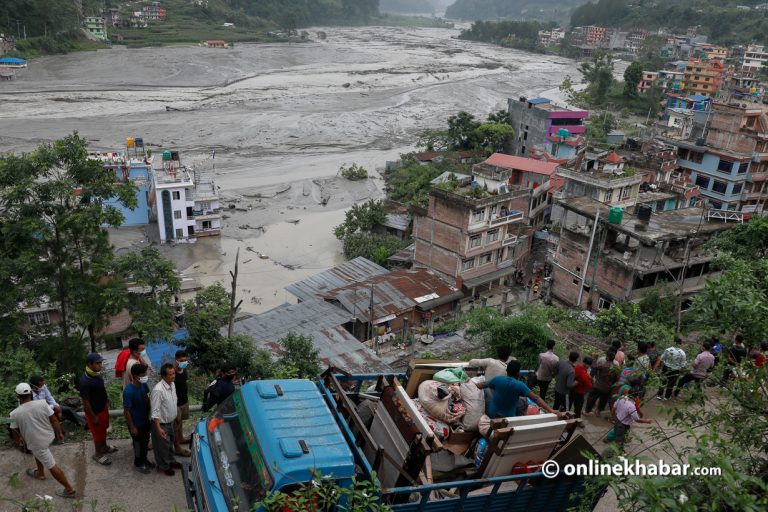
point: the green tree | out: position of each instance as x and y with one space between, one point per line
433 140
598 74
626 322
495 136
500 117
54 205
633 75
155 282
361 218
462 131
297 351
205 316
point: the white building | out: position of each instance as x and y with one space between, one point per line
755 57
184 209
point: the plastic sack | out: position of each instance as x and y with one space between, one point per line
611 436
451 376
474 402
440 408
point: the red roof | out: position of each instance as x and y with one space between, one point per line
522 164
613 158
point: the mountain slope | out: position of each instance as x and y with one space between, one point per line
517 9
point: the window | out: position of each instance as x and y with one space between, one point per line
716 205
719 186
737 188
478 216
475 241
205 206
702 181
179 233
468 264
743 167
725 166
176 214
696 158
492 236
39 318
176 195
604 302
608 196
486 258
625 193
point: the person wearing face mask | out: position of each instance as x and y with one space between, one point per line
136 412
182 401
96 407
138 354
41 392
221 388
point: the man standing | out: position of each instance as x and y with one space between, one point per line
164 410
734 357
673 360
507 393
138 354
606 373
548 363
136 412
626 414
182 401
494 367
566 380
36 422
620 356
583 385
96 407
702 364
41 392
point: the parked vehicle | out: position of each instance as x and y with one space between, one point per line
272 435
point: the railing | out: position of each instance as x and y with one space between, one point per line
614 181
512 215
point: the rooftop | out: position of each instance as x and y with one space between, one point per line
521 164
320 320
358 269
394 293
669 225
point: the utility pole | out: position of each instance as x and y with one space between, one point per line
232 307
589 256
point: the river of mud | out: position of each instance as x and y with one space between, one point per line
275 114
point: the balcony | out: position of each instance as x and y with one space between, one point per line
511 216
204 215
600 180
512 239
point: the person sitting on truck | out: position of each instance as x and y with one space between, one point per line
507 392
220 389
494 367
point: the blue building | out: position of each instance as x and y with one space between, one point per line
721 175
134 166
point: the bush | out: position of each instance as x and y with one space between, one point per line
377 248
525 334
353 172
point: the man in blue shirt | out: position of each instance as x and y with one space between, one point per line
507 392
136 412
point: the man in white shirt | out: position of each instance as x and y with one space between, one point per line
36 422
673 361
548 363
164 410
494 367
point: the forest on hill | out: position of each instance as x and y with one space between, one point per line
724 21
512 9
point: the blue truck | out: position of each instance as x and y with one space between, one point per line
275 435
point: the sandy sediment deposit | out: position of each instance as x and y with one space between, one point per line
276 115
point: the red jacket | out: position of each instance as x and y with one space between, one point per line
583 380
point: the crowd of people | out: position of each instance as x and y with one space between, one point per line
154 415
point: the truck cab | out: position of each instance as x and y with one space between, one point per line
267 436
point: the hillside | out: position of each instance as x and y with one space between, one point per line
724 21
514 9
406 6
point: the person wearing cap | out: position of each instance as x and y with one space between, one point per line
36 422
96 407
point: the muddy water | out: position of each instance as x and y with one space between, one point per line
274 114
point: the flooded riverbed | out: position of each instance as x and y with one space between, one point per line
274 114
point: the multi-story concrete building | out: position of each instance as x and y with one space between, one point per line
603 177
472 235
135 166
730 165
755 57
535 120
649 78
703 76
599 259
594 34
96 27
186 206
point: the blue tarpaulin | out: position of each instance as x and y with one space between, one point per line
161 351
12 60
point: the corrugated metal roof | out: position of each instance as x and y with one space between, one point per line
539 101
399 221
393 293
358 269
323 322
